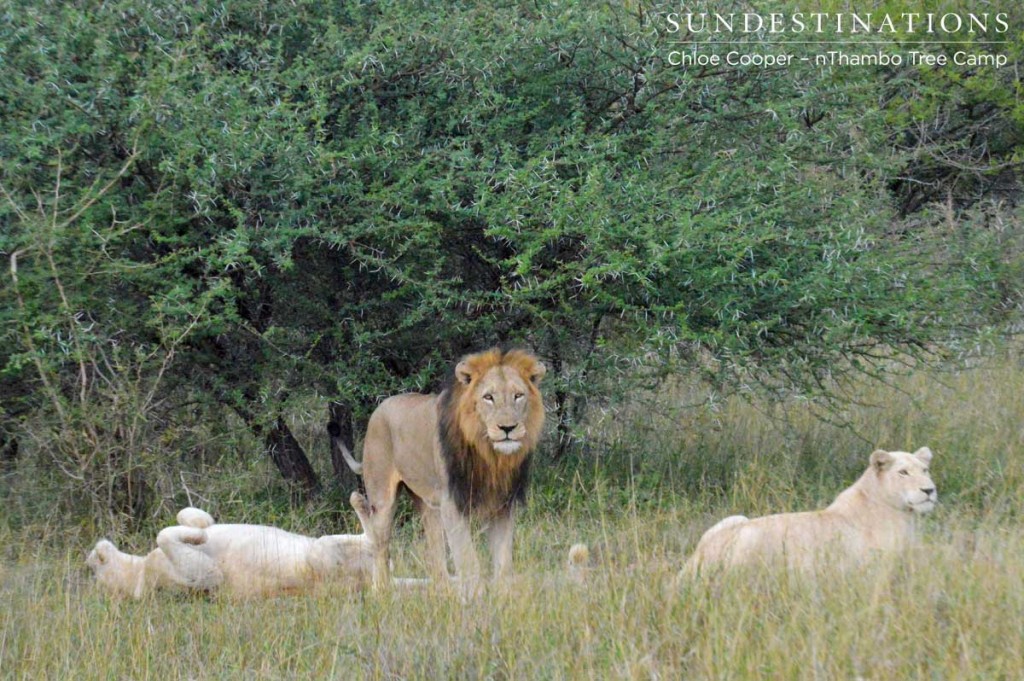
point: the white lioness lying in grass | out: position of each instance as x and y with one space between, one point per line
876 513
243 560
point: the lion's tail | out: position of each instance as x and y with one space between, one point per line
356 466
194 517
335 432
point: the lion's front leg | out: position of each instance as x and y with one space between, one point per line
499 534
460 540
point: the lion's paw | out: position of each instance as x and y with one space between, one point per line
359 503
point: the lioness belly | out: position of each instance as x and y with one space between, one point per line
259 559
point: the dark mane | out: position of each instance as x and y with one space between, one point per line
477 483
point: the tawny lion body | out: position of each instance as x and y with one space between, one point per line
462 453
875 514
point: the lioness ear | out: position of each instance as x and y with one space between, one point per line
924 454
104 550
538 372
880 459
463 374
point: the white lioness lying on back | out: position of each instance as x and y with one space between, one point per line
243 560
876 513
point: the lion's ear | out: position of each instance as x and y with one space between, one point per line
538 372
104 550
924 454
463 373
880 459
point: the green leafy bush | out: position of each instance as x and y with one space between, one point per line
255 207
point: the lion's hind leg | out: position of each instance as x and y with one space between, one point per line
433 531
186 564
714 546
381 478
363 511
378 524
725 523
194 517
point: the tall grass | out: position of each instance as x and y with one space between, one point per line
656 476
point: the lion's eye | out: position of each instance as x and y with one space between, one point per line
489 397
519 396
904 472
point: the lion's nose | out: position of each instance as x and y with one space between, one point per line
508 429
928 490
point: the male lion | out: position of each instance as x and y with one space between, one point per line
876 513
462 453
243 560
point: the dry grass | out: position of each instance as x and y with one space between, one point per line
952 609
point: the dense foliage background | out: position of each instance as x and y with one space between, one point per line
224 218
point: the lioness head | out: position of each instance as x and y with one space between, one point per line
102 553
904 480
118 572
500 402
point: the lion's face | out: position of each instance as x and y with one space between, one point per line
501 403
904 479
504 398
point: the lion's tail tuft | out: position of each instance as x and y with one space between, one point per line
578 561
